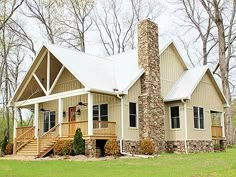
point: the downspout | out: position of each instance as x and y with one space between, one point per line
122 125
185 126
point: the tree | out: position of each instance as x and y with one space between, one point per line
13 5
46 13
116 21
78 144
76 23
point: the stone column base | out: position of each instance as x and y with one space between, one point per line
90 147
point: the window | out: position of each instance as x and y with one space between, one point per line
198 114
174 114
132 115
100 113
49 120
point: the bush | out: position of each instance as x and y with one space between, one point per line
147 147
63 147
4 144
9 148
111 148
79 144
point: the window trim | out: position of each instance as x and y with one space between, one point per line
170 118
99 111
49 120
137 120
204 123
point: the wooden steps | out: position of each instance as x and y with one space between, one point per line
31 148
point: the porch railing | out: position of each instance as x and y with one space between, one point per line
69 128
23 136
101 128
104 128
216 131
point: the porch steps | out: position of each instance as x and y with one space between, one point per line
30 149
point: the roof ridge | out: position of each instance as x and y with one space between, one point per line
77 51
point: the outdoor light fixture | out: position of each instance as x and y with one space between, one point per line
78 111
82 104
64 113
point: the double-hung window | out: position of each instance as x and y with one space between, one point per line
198 117
49 120
175 118
100 116
132 115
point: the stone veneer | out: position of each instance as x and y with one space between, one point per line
151 105
192 145
131 147
90 147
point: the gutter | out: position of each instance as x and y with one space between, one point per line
185 126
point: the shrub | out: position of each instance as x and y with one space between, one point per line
63 147
78 144
111 148
9 148
4 144
147 147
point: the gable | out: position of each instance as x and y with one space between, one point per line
171 68
206 95
47 75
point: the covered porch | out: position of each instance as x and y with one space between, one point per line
58 116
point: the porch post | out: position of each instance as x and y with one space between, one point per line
60 115
90 114
223 124
14 131
36 122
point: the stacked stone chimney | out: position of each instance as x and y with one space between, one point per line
151 105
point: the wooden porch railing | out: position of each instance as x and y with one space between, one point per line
216 131
47 137
102 128
23 136
69 128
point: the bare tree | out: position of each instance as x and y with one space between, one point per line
116 20
75 23
45 12
13 5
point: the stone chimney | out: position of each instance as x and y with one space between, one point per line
151 105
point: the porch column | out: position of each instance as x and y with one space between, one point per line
60 115
223 124
14 131
36 121
90 114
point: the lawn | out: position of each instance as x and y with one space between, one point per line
194 165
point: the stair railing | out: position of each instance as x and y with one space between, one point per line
50 135
24 139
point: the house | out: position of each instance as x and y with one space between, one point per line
131 96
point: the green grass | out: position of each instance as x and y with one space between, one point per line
194 165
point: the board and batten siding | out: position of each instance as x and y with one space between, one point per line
133 94
177 133
205 95
171 68
67 82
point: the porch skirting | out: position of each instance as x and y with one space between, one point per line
192 145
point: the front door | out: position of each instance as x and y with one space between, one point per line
72 120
